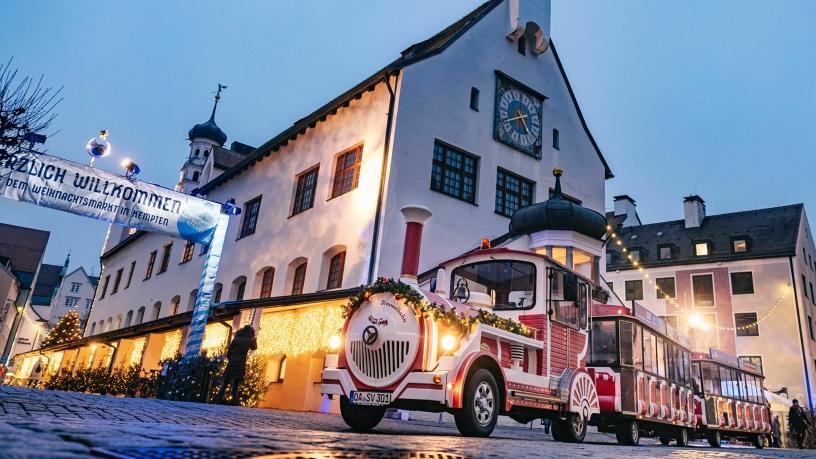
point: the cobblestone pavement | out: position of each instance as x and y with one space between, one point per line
51 424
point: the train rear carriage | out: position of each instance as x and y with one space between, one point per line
729 399
641 368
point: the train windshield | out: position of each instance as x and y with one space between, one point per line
510 284
604 343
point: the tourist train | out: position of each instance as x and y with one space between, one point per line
522 329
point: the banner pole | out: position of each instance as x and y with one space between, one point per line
205 289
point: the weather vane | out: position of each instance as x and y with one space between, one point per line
218 94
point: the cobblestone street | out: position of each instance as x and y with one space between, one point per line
49 424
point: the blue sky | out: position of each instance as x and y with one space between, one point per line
694 97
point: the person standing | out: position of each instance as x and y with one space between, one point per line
776 432
798 423
36 375
235 371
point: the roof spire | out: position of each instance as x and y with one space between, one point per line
217 98
557 172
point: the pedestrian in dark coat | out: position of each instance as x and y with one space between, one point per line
798 423
235 371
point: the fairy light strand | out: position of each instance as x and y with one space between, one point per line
683 308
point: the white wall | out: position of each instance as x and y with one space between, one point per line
434 103
86 292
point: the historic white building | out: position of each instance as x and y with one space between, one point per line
74 293
740 282
469 123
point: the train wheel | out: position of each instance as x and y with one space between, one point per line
714 439
360 417
575 428
620 435
480 409
759 441
682 437
629 431
665 439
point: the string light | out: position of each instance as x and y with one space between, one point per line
691 316
298 331
138 349
172 341
215 337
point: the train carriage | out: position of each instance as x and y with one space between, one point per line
641 369
504 332
729 399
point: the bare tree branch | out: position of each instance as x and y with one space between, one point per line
25 107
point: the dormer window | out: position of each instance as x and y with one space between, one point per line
740 244
666 251
612 257
702 249
637 253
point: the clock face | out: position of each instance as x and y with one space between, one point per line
518 118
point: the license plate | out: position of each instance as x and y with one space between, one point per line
370 398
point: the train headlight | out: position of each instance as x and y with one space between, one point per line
334 342
449 342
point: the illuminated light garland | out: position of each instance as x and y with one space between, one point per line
108 357
684 309
172 341
138 350
299 331
215 337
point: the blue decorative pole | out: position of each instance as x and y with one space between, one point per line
205 289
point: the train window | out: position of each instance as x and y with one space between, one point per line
672 369
661 357
754 389
637 348
647 350
711 378
696 382
568 299
687 365
730 386
510 284
604 343
626 342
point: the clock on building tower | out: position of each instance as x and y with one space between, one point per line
518 116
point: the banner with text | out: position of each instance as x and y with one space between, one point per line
53 182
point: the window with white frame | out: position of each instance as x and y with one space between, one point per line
75 287
703 290
71 302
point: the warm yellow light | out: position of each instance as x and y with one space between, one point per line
126 162
93 347
334 342
620 243
172 341
609 228
437 379
138 350
448 342
298 331
450 386
613 234
695 321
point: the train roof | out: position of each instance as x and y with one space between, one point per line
644 316
729 360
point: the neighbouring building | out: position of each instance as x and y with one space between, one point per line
740 282
74 293
469 123
21 255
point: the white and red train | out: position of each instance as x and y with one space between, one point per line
583 363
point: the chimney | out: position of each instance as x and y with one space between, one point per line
415 218
624 205
694 211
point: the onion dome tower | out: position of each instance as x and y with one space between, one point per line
565 231
203 138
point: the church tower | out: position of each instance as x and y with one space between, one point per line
203 138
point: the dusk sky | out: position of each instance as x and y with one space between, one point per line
694 97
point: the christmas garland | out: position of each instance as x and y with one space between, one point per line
460 322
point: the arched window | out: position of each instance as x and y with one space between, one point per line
156 311
332 267
128 319
192 300
217 294
298 279
101 326
140 315
266 282
118 322
93 327
195 176
174 304
108 324
206 153
238 288
198 150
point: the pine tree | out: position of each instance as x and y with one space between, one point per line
66 330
